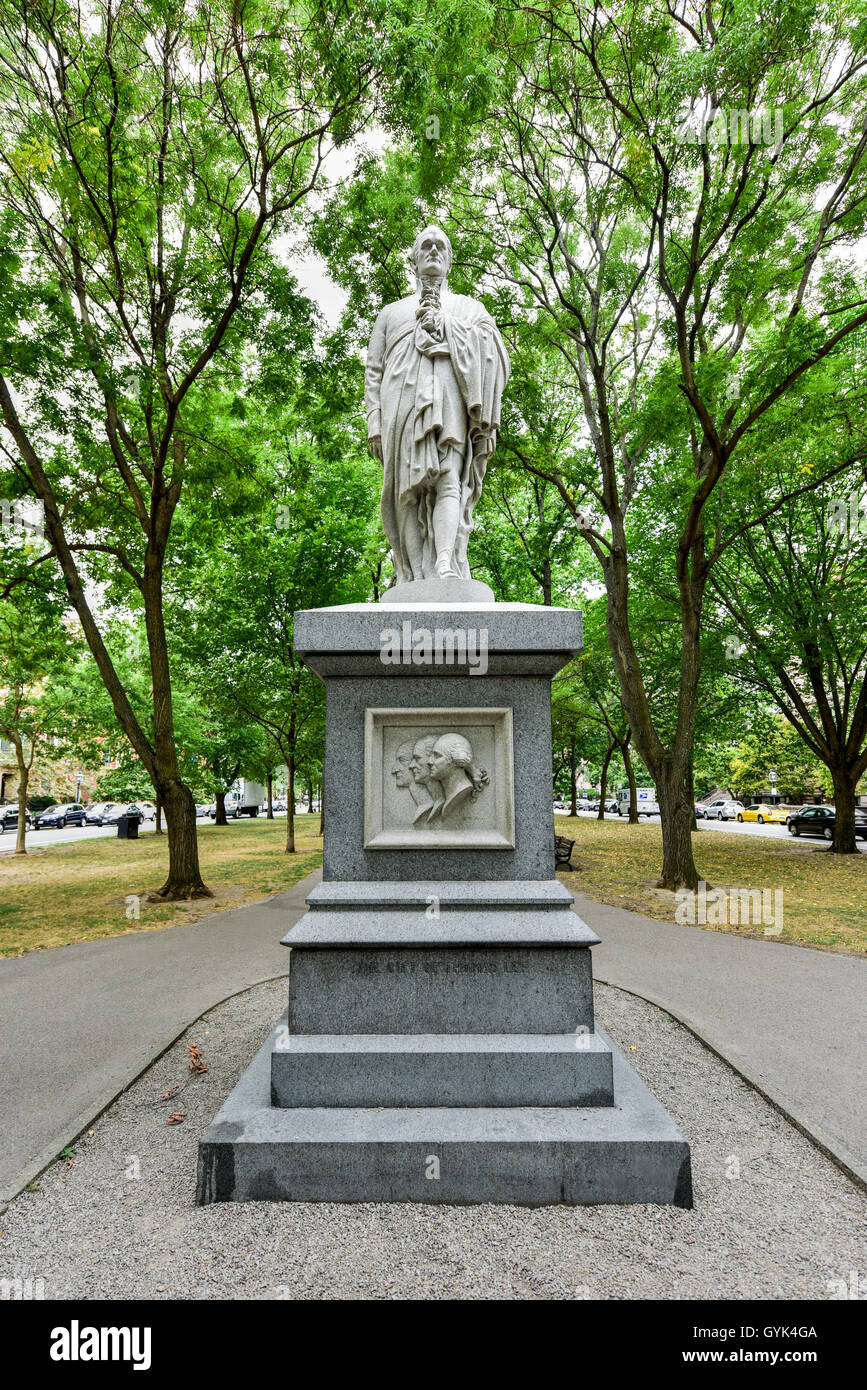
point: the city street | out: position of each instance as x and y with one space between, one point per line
44 838
731 827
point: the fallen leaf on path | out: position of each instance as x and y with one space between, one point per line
177 1117
197 1061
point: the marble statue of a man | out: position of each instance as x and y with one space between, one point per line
436 370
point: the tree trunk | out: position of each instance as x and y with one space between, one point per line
310 795
690 791
573 768
677 814
603 782
322 809
158 822
184 880
290 807
633 789
269 784
220 801
547 585
844 811
23 780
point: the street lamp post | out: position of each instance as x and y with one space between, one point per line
772 778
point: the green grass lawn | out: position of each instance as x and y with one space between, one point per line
79 891
824 895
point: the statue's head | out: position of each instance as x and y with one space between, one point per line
419 764
400 769
450 752
432 253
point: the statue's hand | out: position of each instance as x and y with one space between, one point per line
431 319
374 444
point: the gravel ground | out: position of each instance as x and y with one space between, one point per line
774 1219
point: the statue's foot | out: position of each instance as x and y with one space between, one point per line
444 569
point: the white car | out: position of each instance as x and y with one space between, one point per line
722 809
148 809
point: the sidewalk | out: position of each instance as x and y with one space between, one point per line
81 1022
793 1021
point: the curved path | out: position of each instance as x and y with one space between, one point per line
791 1020
79 1023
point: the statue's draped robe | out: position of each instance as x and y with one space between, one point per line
426 396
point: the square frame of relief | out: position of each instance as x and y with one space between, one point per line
471 805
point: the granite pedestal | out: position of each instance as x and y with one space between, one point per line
439 1043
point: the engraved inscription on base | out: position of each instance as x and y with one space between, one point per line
438 779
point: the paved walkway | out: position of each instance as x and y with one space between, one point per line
792 1020
81 1022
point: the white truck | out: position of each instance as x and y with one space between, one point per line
244 799
646 803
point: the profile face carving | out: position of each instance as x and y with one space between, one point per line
401 771
420 762
439 778
440 773
449 754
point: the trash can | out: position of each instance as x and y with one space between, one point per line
127 828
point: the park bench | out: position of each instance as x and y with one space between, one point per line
563 851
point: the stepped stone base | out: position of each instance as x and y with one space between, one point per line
439 1042
532 1156
431 1070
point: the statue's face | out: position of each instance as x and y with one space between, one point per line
432 256
401 773
440 765
419 765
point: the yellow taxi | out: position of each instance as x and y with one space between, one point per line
765 815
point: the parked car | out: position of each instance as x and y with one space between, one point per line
202 809
148 809
763 815
724 809
9 817
56 817
700 811
121 809
97 811
279 804
820 820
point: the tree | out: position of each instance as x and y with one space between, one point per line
690 288
807 652
151 156
35 653
302 541
776 746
